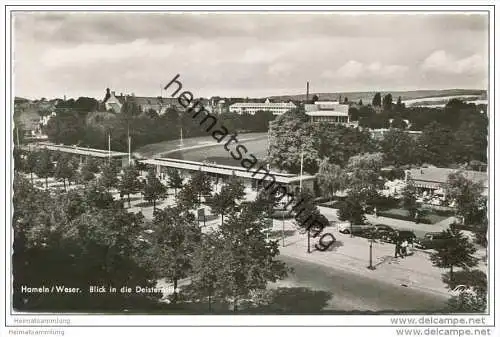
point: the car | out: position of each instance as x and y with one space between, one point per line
346 228
402 235
384 232
431 240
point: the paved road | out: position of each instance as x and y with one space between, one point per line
353 292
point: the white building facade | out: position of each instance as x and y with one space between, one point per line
328 112
252 108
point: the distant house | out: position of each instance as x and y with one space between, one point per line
253 107
435 178
44 120
331 112
159 104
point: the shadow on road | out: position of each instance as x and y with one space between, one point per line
295 300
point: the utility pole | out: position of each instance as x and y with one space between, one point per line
283 228
371 266
301 169
129 142
109 147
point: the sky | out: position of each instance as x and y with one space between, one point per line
245 54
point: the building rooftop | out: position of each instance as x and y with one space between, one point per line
80 150
440 175
263 104
284 178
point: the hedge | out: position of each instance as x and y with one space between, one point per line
403 217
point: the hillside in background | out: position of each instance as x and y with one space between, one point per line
367 96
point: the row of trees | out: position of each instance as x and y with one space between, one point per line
292 135
93 240
72 126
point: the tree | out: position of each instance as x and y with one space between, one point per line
206 264
339 143
360 102
129 182
86 174
456 251
293 137
437 140
176 234
63 169
201 183
353 114
66 128
153 189
187 198
398 148
174 180
475 280
331 178
30 164
410 199
466 193
346 100
387 102
225 201
377 100
248 261
44 167
364 171
351 210
399 103
65 240
18 160
92 165
261 121
109 177
468 302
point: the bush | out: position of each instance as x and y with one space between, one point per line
384 203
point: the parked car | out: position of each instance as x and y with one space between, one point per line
345 228
432 240
403 235
384 232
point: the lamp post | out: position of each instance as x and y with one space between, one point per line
283 228
301 168
371 266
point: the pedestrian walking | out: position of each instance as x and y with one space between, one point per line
397 246
404 248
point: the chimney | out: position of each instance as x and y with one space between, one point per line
307 92
112 93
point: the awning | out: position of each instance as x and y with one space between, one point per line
429 185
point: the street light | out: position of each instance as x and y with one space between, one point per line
371 239
283 228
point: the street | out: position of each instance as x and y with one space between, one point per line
353 292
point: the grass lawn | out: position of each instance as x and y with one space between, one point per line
402 214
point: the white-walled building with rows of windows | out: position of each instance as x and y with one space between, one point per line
252 108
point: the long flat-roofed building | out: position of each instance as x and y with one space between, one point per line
252 108
121 158
254 177
328 112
